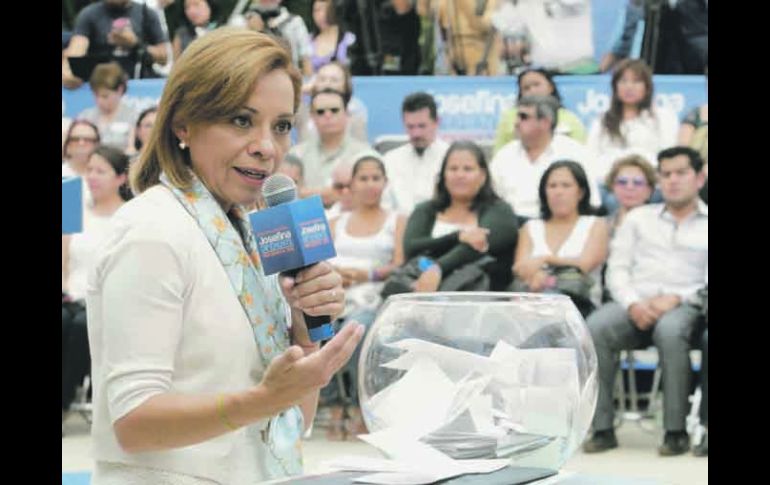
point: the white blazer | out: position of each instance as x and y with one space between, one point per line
163 317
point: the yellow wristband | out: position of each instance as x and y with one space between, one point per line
222 415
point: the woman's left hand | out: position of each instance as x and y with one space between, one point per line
428 281
538 281
352 276
529 267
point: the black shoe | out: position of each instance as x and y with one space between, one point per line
703 448
674 443
601 441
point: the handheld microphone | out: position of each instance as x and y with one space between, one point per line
293 234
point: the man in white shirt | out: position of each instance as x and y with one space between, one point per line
412 168
332 145
518 166
658 262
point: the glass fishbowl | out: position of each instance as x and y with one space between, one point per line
481 375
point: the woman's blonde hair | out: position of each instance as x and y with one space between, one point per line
637 161
213 78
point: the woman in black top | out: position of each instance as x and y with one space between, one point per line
464 221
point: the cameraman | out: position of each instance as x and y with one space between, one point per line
121 29
270 17
387 33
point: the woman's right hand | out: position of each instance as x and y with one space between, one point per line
292 376
476 237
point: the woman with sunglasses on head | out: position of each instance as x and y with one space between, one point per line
538 81
632 180
81 140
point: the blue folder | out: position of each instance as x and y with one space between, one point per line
71 205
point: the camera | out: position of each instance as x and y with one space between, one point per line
266 13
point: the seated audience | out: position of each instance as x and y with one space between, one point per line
332 145
106 178
292 167
414 166
632 124
538 82
339 190
142 131
333 75
81 140
464 221
368 240
519 165
658 262
566 235
632 181
114 118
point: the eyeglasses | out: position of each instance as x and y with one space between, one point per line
635 181
338 186
524 116
322 111
78 139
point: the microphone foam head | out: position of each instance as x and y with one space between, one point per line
279 189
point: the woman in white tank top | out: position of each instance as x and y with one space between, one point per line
105 175
567 235
369 247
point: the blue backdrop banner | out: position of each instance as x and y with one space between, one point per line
469 107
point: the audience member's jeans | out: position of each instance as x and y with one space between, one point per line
330 395
76 359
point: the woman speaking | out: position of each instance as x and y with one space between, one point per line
202 366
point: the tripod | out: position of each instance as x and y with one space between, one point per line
652 32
